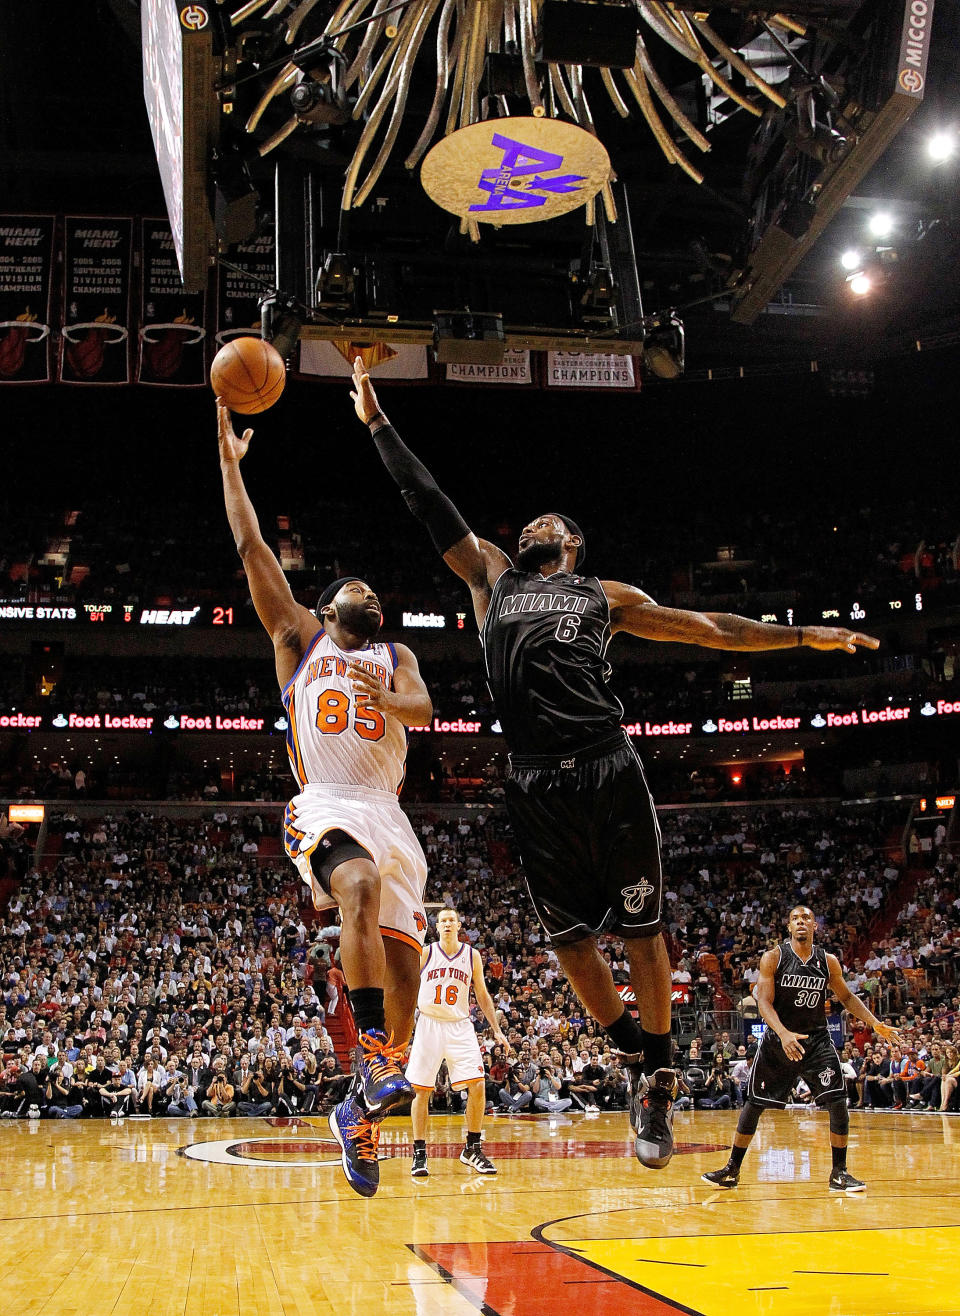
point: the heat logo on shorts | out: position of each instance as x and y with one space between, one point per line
634 897
826 1077
516 182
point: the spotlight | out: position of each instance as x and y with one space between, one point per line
664 345
861 284
880 224
599 296
941 146
335 282
280 324
851 259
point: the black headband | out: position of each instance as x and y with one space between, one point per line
331 592
574 529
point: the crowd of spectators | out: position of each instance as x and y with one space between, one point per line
162 962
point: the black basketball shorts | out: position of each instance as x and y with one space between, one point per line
589 841
774 1075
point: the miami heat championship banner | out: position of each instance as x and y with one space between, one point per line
590 370
26 290
171 335
96 301
239 290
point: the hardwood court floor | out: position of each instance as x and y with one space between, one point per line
255 1219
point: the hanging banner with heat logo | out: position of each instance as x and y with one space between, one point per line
240 289
172 333
96 301
26 286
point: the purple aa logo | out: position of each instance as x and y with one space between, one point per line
516 182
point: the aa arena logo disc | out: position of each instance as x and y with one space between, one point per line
516 170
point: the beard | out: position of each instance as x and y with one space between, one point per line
538 553
358 619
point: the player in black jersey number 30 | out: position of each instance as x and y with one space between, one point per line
576 794
791 993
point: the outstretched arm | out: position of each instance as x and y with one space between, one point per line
854 1004
636 613
287 623
474 560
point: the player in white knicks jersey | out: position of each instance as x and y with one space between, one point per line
348 698
448 970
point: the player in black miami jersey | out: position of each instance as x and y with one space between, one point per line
576 793
791 993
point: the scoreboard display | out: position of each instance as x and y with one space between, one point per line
130 614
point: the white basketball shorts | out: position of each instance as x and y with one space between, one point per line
436 1040
374 820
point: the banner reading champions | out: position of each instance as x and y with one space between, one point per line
172 321
590 370
96 301
26 289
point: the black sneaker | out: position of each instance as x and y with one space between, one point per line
357 1136
726 1177
419 1167
380 1081
474 1157
651 1118
842 1182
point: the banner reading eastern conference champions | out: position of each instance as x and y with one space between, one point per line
119 313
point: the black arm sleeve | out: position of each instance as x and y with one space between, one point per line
421 493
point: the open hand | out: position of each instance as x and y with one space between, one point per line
888 1034
837 637
375 693
364 398
791 1044
231 448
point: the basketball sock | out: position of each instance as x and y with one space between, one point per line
367 1005
473 1139
626 1034
736 1157
657 1051
839 1158
419 1144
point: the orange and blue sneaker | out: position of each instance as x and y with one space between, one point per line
358 1137
380 1083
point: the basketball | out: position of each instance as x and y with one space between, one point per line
248 374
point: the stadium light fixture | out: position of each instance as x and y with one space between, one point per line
851 259
941 146
880 224
860 284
